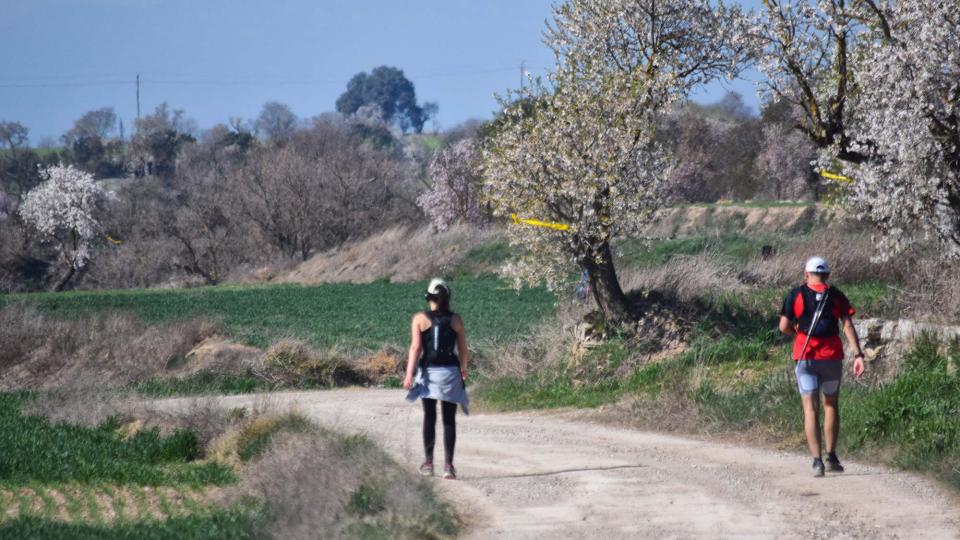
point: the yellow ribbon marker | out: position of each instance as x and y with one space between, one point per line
834 176
539 223
112 240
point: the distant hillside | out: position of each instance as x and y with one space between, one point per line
693 220
407 254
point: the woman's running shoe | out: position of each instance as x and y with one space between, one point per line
817 467
449 473
427 468
833 464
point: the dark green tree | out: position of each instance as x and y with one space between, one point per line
156 141
388 89
92 146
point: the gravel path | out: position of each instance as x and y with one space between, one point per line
542 476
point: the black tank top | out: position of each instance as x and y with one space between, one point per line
439 341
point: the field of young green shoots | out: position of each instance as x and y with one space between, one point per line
65 481
354 315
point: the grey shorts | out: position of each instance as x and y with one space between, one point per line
819 375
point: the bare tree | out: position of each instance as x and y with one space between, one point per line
96 124
201 214
324 187
13 135
276 121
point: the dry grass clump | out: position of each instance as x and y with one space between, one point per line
549 344
344 487
292 362
932 292
38 351
252 436
396 254
683 277
386 363
849 250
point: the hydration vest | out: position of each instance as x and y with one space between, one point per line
828 324
439 341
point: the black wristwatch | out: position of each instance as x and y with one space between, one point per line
859 355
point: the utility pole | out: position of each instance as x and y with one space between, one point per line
138 96
522 74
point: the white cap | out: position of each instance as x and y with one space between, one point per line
817 265
435 285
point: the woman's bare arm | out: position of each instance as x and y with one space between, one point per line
461 344
414 353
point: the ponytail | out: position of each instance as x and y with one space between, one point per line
442 298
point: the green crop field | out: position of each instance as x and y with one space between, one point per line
358 315
61 481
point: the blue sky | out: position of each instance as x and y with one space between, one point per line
222 58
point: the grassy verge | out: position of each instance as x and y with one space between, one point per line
352 315
736 378
734 248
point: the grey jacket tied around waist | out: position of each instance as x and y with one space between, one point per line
442 383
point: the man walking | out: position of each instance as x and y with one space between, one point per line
813 313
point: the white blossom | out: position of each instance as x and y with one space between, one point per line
879 85
455 194
62 209
580 148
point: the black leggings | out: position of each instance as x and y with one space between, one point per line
449 412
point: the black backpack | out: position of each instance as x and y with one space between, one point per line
828 324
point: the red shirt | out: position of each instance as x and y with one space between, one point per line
822 348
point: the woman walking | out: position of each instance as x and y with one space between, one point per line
438 355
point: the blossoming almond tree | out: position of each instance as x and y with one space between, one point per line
584 157
806 52
455 195
62 209
908 117
879 84
580 149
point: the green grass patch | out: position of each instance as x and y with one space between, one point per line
360 315
917 415
367 500
485 258
733 248
35 450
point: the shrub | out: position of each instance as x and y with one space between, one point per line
292 362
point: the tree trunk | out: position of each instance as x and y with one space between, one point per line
606 287
62 282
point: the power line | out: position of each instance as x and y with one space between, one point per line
63 84
261 81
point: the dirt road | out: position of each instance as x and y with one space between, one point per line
541 476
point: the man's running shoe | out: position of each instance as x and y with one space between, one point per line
817 467
833 464
449 473
427 468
